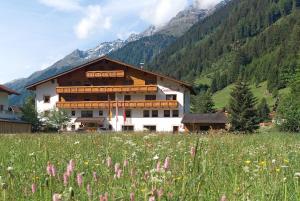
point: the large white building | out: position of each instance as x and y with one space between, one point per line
107 94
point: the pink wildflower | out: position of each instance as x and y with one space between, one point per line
132 197
66 176
158 166
167 163
160 193
51 170
56 197
95 176
104 197
79 180
152 198
125 163
119 173
193 152
108 162
223 198
70 167
89 190
117 167
33 188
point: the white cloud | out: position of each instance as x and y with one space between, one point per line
93 21
206 4
64 5
159 12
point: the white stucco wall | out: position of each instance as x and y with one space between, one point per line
46 89
4 100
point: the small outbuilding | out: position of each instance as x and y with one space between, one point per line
204 122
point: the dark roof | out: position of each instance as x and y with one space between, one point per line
7 90
13 121
98 120
212 118
31 86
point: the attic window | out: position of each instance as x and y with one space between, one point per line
53 81
46 99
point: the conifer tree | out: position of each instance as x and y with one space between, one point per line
263 110
243 114
30 114
203 103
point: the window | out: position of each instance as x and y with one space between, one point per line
73 113
73 127
150 128
87 114
1 107
127 98
175 113
128 113
127 128
154 113
64 127
46 99
171 97
150 97
100 113
146 113
167 113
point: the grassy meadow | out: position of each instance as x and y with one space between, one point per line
264 166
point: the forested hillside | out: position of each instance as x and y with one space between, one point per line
143 50
256 39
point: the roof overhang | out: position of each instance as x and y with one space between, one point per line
8 91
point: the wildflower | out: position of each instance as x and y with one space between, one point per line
119 173
89 190
146 175
9 169
33 188
158 166
95 177
125 163
51 170
248 162
79 179
131 196
286 161
104 197
263 163
66 178
56 197
160 193
155 157
297 174
86 162
193 152
167 163
117 167
152 198
223 198
273 161
108 162
277 169
132 173
77 142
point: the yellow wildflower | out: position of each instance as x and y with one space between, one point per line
86 162
286 161
247 162
277 169
263 163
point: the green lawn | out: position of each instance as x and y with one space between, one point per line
263 166
221 98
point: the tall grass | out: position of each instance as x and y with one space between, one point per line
253 167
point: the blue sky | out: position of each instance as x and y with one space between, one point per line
36 33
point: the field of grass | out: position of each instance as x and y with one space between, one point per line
221 98
263 166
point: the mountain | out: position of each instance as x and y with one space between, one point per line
142 47
255 39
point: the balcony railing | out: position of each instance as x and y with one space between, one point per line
112 104
106 89
105 74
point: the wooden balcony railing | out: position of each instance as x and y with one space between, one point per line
105 74
106 89
168 104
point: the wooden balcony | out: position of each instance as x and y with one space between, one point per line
106 89
105 74
159 104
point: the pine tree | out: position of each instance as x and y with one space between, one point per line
203 103
263 110
243 114
30 114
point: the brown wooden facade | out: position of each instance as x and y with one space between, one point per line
105 74
12 127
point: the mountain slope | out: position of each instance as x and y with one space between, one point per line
257 39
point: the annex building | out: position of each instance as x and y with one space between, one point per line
111 95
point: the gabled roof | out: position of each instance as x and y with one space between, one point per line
212 118
7 90
31 86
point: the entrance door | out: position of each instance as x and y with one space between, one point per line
175 129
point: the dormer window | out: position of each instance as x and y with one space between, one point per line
46 99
